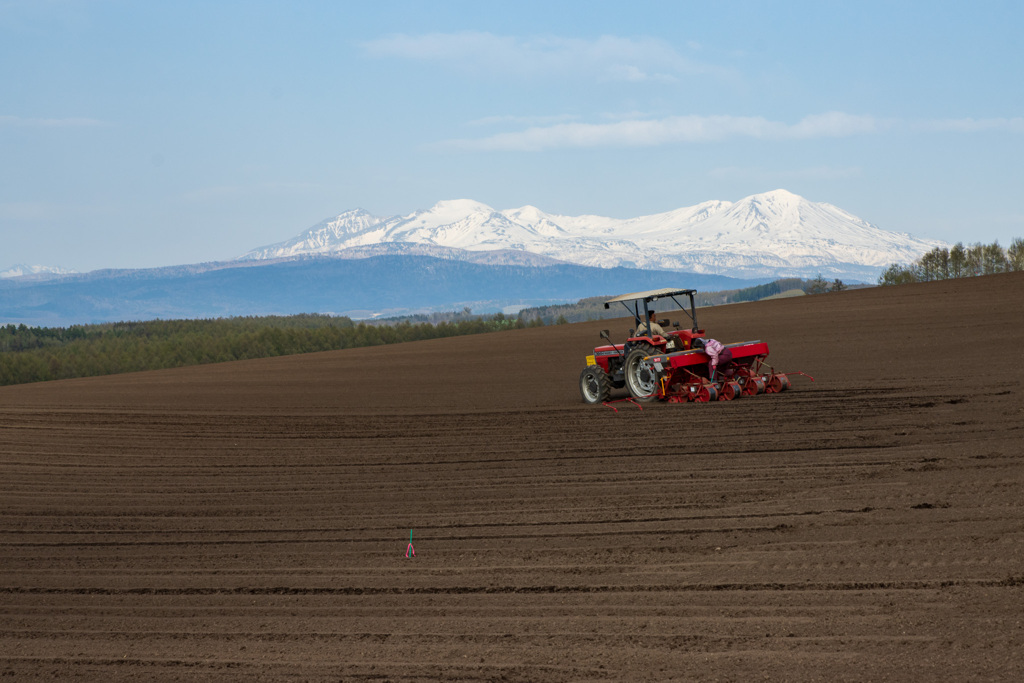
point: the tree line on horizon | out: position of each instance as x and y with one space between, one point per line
37 354
960 261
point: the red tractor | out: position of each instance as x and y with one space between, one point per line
668 367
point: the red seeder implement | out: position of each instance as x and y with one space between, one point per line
683 376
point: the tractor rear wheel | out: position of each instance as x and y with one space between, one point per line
595 386
641 376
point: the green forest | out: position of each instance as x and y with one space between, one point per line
960 261
36 354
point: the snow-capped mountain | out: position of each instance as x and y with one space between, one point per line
21 270
774 234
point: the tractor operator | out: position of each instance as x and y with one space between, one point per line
651 325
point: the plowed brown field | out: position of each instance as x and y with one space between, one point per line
249 521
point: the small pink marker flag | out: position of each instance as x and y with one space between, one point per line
410 551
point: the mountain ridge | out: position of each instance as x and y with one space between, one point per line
359 287
772 234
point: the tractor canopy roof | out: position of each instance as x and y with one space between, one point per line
652 295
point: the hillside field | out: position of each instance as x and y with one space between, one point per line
249 520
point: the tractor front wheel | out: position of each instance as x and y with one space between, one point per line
641 376
595 386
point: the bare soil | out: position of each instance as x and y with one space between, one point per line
249 521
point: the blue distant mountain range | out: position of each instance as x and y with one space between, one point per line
386 285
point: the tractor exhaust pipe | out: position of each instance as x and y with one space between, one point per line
607 338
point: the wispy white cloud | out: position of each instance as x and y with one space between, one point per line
670 130
834 124
23 122
609 58
640 131
634 74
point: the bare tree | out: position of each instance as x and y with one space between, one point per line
993 259
934 265
958 260
974 259
818 285
1015 255
898 274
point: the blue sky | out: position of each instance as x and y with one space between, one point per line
139 134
